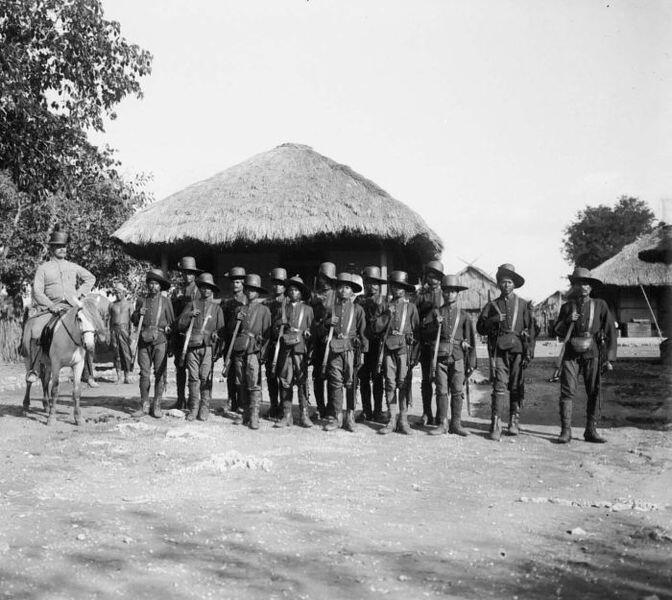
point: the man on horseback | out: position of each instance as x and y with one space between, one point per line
58 284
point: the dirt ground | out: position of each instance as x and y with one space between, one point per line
167 509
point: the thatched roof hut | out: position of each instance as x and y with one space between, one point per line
288 207
639 290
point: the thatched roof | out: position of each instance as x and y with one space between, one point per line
662 252
627 269
287 195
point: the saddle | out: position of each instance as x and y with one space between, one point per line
48 332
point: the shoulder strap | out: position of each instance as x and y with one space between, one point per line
456 325
515 315
403 318
591 316
298 323
159 309
350 318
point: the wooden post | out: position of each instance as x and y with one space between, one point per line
383 270
655 321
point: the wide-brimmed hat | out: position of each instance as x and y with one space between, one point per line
278 275
436 267
451 282
327 270
400 279
296 281
58 238
207 280
508 270
188 265
158 275
236 273
583 274
351 280
372 275
253 281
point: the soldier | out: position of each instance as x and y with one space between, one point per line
457 347
157 316
508 320
249 350
322 302
370 376
428 301
343 332
58 284
230 307
589 350
187 293
205 318
297 321
120 332
275 305
399 325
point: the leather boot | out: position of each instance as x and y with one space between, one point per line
204 408
514 418
156 411
287 420
255 401
32 376
143 409
456 416
565 421
392 423
349 423
590 434
402 425
126 377
192 406
303 407
495 421
442 416
334 423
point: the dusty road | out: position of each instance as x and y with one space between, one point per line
168 509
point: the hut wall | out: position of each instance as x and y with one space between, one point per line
629 304
476 297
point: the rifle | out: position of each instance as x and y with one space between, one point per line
227 359
134 346
558 361
468 375
435 355
381 352
323 370
276 352
187 338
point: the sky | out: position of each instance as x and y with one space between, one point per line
497 121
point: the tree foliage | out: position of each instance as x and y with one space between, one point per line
600 232
63 69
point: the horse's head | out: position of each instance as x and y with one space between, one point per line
90 323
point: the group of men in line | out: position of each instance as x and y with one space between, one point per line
353 336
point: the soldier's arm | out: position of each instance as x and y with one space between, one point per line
609 327
38 289
486 322
361 329
185 318
562 323
135 317
529 324
470 336
87 280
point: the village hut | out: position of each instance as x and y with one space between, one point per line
640 292
482 289
289 207
546 312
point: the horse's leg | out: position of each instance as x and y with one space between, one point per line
26 398
53 396
77 370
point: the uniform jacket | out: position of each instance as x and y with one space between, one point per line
520 336
203 327
275 307
373 306
603 324
292 326
57 281
186 295
256 326
451 347
158 316
398 339
427 302
322 303
230 307
354 335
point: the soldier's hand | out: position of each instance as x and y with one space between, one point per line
240 316
439 319
334 320
465 345
502 318
142 311
168 329
574 317
306 334
195 312
214 337
607 367
392 308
